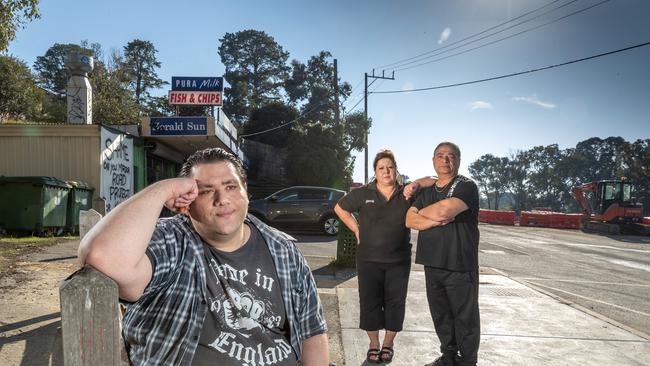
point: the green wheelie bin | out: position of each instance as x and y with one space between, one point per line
79 198
33 204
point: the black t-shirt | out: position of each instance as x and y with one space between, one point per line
246 321
383 234
453 246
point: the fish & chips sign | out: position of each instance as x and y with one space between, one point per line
196 90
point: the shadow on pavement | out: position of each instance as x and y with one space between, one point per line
58 259
304 237
24 323
330 276
43 345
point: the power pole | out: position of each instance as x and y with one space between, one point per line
365 113
337 115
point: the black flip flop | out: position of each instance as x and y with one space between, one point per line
373 352
386 351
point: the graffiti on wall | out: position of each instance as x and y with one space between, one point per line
117 168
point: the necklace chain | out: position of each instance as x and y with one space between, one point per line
441 189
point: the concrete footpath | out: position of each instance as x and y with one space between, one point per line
519 326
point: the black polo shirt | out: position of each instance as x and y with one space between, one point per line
454 246
383 234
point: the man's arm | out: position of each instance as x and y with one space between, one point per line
348 219
418 222
411 188
116 246
315 351
444 210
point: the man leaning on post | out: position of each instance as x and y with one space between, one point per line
211 285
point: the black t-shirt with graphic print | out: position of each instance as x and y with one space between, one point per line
246 321
454 246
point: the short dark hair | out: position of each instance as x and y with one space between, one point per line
450 144
384 154
212 155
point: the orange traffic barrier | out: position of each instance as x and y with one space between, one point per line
503 218
483 215
565 221
535 218
496 217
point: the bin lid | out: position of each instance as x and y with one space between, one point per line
80 185
42 181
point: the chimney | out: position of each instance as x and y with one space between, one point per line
80 93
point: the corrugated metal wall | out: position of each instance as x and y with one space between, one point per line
67 152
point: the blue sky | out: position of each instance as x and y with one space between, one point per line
608 96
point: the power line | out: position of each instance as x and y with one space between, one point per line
361 94
361 100
502 39
287 123
397 63
516 73
351 109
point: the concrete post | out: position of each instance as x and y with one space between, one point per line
87 219
80 93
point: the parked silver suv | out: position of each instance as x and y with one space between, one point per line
299 208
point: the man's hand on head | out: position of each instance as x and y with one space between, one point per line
183 191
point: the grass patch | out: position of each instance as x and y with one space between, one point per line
11 248
36 240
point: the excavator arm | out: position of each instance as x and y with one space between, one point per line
580 195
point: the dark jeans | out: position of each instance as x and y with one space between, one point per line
382 295
453 302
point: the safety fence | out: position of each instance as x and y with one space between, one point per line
497 217
556 220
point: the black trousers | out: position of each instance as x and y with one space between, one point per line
453 302
382 294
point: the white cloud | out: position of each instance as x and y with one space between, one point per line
480 105
444 35
535 101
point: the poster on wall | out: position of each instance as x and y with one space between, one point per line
117 168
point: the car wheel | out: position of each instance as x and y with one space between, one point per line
331 225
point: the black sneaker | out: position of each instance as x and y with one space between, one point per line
444 360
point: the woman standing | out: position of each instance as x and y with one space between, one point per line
383 253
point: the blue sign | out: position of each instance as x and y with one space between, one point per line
197 83
178 126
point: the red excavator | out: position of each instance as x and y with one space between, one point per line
608 208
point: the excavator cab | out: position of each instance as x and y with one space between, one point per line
614 192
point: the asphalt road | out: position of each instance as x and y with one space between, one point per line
609 275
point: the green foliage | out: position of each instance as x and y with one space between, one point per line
544 176
268 116
14 14
255 69
315 157
355 128
113 102
488 171
158 107
19 95
119 83
140 64
51 70
319 153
